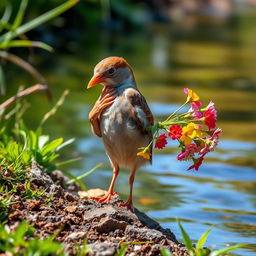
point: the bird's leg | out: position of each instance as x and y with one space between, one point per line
129 203
110 193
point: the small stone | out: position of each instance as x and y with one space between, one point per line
76 235
137 247
95 192
70 208
102 249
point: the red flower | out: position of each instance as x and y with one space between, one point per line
210 116
197 163
161 141
175 132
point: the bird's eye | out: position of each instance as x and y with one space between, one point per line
111 71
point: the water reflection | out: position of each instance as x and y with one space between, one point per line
220 67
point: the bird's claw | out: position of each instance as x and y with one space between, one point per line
104 199
128 204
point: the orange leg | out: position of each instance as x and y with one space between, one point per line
110 193
129 203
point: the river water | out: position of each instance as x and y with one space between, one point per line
220 65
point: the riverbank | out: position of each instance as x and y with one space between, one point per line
106 227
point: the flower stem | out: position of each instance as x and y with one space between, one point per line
169 117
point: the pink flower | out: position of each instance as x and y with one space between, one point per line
209 144
194 114
188 153
161 141
175 132
210 116
197 163
216 134
195 105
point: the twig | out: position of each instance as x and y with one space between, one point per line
27 91
27 67
23 64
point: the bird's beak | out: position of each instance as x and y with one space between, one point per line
96 79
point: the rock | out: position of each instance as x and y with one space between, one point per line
145 233
102 249
95 192
104 226
108 224
76 236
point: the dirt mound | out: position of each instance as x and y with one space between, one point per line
104 226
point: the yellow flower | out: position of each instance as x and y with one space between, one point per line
190 132
192 96
145 155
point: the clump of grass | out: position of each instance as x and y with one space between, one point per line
19 148
22 241
199 249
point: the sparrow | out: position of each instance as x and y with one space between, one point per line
121 117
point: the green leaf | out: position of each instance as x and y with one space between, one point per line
68 174
68 161
39 20
20 233
203 238
85 174
186 238
42 140
55 108
33 140
122 250
226 250
165 252
6 16
20 14
4 25
66 143
51 146
25 43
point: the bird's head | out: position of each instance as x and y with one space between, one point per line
112 72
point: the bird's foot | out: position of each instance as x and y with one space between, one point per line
129 205
104 199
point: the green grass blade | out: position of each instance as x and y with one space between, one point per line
20 15
73 177
65 143
165 252
70 161
38 21
4 25
202 240
85 174
2 81
186 237
122 250
25 43
6 16
226 250
55 108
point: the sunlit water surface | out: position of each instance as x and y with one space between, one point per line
220 67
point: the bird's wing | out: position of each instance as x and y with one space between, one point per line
94 119
139 104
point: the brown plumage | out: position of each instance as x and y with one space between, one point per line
120 116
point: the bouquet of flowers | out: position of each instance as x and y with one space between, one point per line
194 130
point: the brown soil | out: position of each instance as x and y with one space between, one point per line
105 226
